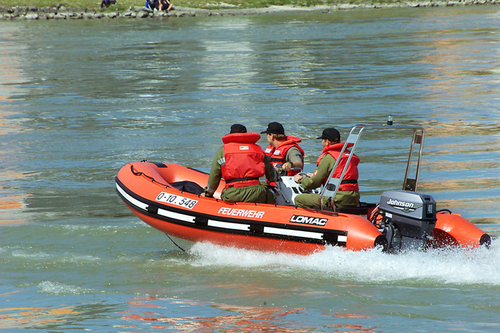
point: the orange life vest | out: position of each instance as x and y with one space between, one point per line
244 160
278 154
350 180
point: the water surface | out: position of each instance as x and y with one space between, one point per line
79 99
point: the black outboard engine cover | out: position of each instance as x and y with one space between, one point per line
407 219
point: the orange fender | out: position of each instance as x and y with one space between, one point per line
453 229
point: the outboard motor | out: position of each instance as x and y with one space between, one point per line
406 219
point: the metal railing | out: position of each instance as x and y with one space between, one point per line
332 185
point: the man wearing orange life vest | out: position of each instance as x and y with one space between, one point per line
283 150
348 194
241 162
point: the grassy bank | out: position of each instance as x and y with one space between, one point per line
125 4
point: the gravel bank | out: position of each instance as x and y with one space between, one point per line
63 13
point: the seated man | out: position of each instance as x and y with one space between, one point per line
107 3
283 150
348 193
241 162
166 5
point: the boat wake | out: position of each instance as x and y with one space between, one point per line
444 265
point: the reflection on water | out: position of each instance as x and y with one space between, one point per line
154 312
11 205
34 317
11 73
12 200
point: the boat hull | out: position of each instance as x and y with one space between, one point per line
167 197
147 190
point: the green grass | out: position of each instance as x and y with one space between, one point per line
125 4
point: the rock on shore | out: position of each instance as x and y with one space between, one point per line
62 13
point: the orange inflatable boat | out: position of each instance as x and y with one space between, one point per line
167 196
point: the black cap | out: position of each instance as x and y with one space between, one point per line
274 128
330 134
238 128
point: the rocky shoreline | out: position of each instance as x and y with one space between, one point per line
63 13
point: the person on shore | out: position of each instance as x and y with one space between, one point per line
348 193
241 162
161 5
283 150
107 3
166 5
152 4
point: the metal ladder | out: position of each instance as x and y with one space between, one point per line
331 187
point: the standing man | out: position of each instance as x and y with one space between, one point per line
241 162
283 150
348 193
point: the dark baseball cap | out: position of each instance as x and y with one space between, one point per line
238 128
274 128
330 134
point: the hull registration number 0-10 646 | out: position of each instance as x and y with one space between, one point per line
176 200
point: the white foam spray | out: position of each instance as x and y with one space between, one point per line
450 265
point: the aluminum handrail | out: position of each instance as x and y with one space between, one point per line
331 186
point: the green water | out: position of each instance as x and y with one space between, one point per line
79 99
